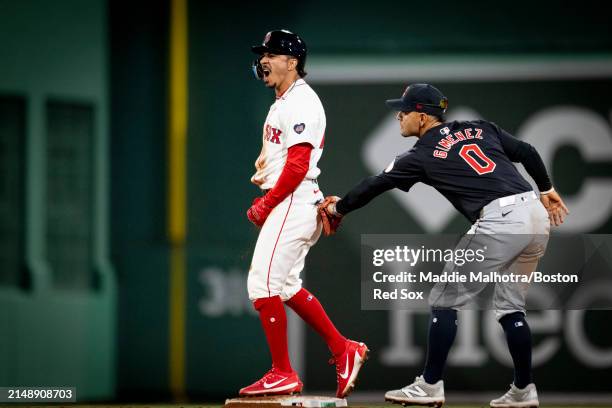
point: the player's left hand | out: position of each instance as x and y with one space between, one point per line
259 211
329 217
557 210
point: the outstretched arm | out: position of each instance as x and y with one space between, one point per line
403 173
333 208
362 193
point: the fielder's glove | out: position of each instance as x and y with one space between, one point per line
259 211
329 217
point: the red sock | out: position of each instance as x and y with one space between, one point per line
308 307
274 322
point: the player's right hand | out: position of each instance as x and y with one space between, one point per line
259 211
557 210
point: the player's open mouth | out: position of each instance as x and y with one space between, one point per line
266 71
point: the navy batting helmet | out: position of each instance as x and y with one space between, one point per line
281 42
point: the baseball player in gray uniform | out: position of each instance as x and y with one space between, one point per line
471 163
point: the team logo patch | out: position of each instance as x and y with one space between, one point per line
299 128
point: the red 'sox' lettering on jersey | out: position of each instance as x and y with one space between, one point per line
275 136
272 134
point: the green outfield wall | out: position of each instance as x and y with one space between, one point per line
57 286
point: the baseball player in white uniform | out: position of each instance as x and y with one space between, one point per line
286 171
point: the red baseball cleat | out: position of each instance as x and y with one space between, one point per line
274 382
348 365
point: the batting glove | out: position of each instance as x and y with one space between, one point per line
259 211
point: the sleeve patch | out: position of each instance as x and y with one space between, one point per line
299 127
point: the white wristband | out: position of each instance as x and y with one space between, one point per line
547 192
332 209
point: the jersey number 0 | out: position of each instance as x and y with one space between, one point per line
476 159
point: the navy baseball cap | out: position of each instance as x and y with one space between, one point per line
420 98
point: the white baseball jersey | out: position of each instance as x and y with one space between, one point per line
296 117
292 227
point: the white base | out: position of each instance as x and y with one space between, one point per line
306 401
314 402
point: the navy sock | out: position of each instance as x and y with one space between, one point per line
442 331
518 336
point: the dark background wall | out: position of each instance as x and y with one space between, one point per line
138 87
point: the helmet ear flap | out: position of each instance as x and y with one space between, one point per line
257 68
